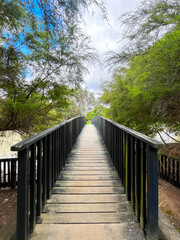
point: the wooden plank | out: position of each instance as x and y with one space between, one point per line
71 218
86 168
88 177
88 183
105 172
57 198
87 190
116 231
89 160
84 208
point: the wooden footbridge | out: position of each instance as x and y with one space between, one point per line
89 186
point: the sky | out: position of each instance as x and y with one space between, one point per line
105 37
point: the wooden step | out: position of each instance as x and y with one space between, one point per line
107 183
71 218
94 198
87 190
88 208
88 177
115 231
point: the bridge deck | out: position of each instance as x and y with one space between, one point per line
88 201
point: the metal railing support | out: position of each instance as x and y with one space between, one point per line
134 156
40 160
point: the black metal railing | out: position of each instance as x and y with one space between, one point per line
8 172
40 160
169 170
135 157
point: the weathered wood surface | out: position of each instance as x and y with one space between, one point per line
88 201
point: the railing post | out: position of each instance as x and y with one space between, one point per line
128 167
49 166
39 178
124 159
23 193
32 187
177 174
152 194
44 175
137 178
121 156
132 172
143 185
135 159
13 174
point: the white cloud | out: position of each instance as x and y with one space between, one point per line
105 36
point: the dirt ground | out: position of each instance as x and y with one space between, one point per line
169 202
8 203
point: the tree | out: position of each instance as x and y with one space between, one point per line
42 51
99 110
146 96
80 102
143 27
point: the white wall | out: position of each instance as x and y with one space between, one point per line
7 139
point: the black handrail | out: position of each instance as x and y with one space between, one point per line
135 157
8 172
40 160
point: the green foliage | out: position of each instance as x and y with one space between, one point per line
35 113
143 27
99 110
146 96
43 55
80 102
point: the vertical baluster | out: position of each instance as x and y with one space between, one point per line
124 160
113 143
137 178
9 174
60 150
32 187
44 175
49 165
13 173
143 185
165 170
65 140
177 174
4 174
23 193
173 171
132 172
152 194
55 157
169 170
57 154
117 151
63 145
121 156
161 160
170 160
39 178
57 160
128 167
